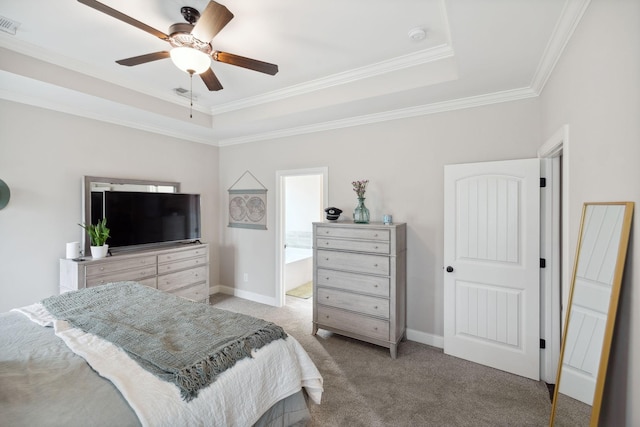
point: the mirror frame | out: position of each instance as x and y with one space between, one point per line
611 315
86 195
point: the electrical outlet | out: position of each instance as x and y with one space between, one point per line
246 277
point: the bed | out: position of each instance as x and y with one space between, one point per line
59 368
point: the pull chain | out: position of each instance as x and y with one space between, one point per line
191 93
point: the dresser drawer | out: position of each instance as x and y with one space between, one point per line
359 281
353 302
179 255
181 265
361 263
119 265
172 281
374 285
352 322
198 292
353 245
135 274
179 269
353 233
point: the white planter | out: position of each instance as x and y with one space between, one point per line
99 251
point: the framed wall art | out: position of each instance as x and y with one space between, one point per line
248 203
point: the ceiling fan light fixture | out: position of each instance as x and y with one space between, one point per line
190 60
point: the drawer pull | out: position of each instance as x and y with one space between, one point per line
375 307
375 265
375 247
327 297
375 286
326 259
101 268
327 278
326 243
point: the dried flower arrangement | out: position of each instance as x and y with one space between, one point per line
360 187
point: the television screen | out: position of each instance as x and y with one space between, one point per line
137 218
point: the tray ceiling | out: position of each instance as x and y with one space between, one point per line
341 63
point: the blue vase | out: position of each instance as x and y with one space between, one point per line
361 212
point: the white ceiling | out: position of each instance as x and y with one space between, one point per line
341 63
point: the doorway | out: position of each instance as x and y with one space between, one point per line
301 199
554 155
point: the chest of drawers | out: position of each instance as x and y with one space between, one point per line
359 281
182 270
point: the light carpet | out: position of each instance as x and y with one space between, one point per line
363 386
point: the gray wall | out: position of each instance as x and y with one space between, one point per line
595 89
403 161
43 157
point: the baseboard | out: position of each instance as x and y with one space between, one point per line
251 296
425 338
412 335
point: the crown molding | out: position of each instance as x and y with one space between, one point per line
406 61
570 17
440 107
88 114
424 56
403 113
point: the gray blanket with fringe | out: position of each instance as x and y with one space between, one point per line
186 343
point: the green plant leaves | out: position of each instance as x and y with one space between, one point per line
98 233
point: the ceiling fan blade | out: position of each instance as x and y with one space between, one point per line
137 60
241 61
211 21
210 79
124 18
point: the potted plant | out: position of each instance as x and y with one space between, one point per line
98 234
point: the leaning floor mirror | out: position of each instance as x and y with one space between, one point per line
591 313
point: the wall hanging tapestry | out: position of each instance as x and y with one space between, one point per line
248 203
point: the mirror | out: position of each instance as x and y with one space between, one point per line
93 184
591 313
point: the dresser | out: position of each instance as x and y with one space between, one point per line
181 270
359 281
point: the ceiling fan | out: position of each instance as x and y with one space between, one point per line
191 50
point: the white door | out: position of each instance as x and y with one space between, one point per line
492 261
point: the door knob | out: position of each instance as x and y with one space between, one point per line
449 269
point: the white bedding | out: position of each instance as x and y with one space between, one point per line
238 397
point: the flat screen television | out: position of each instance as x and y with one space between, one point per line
138 218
